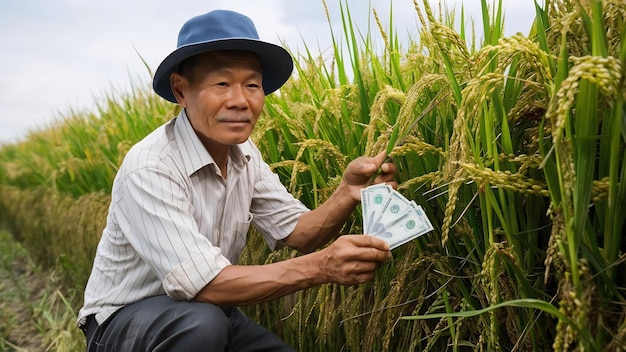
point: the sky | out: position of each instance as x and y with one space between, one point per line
67 55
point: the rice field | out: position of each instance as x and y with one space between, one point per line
514 146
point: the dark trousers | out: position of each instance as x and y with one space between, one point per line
162 324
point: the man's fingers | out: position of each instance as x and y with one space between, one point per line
374 163
368 241
356 258
380 158
388 168
369 248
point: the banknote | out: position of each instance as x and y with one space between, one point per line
387 214
412 224
393 207
372 202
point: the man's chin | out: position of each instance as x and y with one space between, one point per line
235 141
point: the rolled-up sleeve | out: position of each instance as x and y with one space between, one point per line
184 281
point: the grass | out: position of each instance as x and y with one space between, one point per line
514 146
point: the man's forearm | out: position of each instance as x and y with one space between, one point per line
320 225
240 285
350 260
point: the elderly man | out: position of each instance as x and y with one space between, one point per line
165 276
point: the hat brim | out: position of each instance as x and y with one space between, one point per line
276 62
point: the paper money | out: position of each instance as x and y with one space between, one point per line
393 207
388 215
412 224
372 202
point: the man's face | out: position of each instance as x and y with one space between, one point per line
223 95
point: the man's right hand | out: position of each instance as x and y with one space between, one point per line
352 259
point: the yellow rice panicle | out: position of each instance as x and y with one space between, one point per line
554 257
605 72
455 48
489 282
381 30
406 115
476 92
453 190
505 179
600 189
576 308
322 148
531 58
430 178
378 114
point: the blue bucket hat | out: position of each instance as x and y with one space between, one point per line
223 30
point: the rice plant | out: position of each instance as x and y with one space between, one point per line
477 139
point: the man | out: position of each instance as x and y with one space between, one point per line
165 276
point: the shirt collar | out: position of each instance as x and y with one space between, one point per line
195 155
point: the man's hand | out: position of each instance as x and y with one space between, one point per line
352 259
360 171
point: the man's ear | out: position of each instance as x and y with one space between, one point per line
178 83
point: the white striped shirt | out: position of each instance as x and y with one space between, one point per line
174 222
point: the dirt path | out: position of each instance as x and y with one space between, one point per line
21 288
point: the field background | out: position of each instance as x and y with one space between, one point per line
515 147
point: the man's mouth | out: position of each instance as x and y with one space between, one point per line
234 119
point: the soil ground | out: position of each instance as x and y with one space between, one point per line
22 285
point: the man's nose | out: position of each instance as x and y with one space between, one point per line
237 98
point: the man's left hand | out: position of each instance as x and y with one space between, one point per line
361 171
